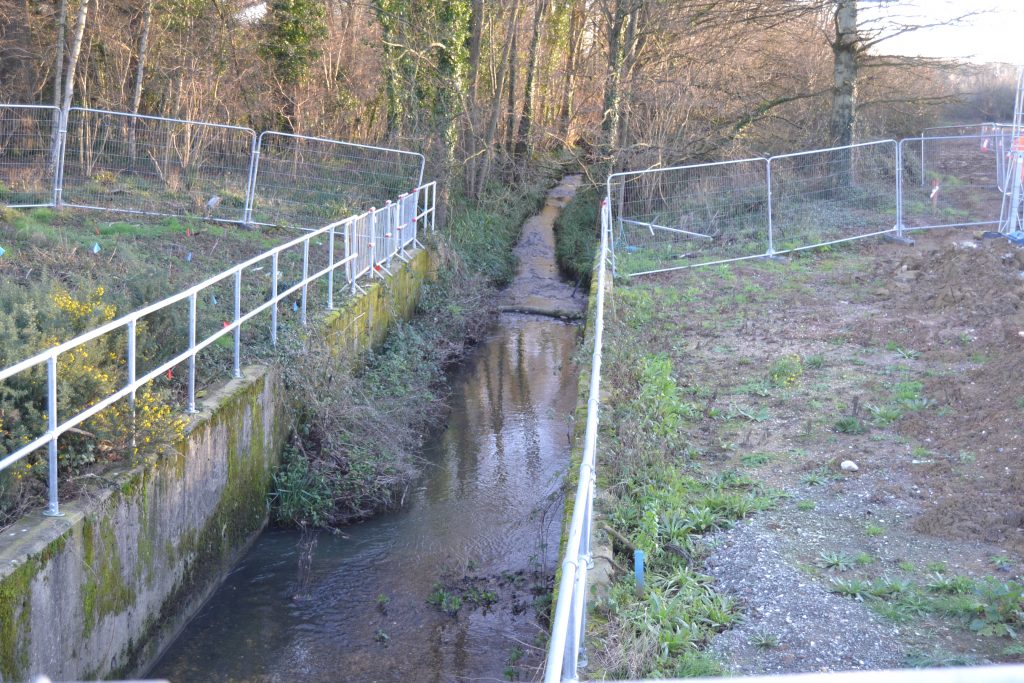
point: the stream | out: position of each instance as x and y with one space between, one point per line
478 536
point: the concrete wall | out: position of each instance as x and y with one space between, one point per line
103 590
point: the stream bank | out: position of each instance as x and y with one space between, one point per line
451 586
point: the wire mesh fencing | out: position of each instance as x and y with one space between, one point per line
143 164
670 218
960 186
28 140
302 181
832 195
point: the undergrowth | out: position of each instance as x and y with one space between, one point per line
662 502
577 231
357 432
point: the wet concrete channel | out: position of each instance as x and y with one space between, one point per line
483 523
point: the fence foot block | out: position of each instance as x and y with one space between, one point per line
897 239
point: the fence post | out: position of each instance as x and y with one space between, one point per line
60 149
132 330
899 189
250 190
771 236
192 353
53 507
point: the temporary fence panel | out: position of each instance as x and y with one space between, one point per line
832 195
673 218
960 187
302 181
28 136
151 165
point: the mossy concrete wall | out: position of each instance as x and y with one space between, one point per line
103 590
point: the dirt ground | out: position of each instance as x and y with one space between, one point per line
905 361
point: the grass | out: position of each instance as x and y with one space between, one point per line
576 234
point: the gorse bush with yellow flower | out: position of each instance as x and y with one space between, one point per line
32 320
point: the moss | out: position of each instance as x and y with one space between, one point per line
208 553
15 620
105 590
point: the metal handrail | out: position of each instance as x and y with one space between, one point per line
566 646
130 321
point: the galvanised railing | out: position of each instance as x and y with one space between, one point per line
953 674
392 231
702 214
151 165
566 653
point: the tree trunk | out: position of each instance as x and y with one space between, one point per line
569 82
510 124
476 23
76 50
58 74
844 90
499 88
844 93
140 70
526 119
610 118
471 134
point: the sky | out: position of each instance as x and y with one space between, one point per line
995 36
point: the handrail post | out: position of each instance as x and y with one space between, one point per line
305 278
132 331
236 367
768 181
373 242
53 507
192 353
273 298
350 269
330 273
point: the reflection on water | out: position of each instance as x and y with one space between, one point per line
489 504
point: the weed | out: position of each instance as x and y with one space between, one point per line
764 640
953 585
863 559
818 477
1002 608
448 602
838 561
753 414
1001 562
906 566
805 505
382 602
938 567
816 362
756 459
380 636
785 372
850 588
849 425
873 529
883 415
